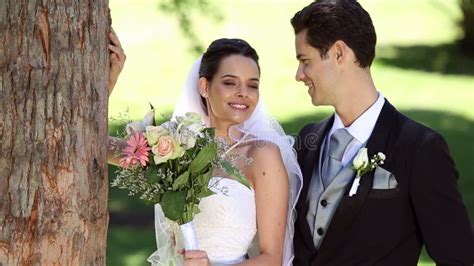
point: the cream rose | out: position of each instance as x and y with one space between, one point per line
166 149
154 133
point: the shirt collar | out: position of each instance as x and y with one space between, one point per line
362 127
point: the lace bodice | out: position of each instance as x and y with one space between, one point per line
226 225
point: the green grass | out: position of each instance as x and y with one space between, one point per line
129 246
418 68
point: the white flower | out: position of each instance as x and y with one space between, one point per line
191 122
362 166
188 118
140 127
361 159
381 156
193 117
171 126
136 126
154 133
196 128
187 138
149 118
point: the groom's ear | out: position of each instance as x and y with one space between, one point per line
203 87
340 51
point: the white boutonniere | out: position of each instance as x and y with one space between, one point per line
362 165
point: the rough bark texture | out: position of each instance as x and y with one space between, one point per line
53 130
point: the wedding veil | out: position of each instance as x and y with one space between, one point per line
261 127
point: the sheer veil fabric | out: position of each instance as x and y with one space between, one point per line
259 127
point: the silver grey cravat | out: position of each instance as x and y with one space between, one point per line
332 162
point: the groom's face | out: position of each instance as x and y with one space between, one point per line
318 74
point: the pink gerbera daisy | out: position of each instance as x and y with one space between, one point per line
136 151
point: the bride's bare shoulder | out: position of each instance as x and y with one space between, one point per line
264 153
263 147
267 166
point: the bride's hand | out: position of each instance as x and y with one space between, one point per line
117 59
196 258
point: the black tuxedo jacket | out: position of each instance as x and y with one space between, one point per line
389 227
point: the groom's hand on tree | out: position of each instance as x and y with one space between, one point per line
117 59
196 258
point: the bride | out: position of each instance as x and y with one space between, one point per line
223 86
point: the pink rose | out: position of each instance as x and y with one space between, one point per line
166 149
164 146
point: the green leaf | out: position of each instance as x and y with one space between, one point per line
203 180
152 201
169 179
151 174
172 204
196 209
190 194
210 131
235 173
191 210
181 181
206 192
203 159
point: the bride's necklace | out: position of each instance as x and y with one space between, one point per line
235 144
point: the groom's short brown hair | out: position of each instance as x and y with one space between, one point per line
328 21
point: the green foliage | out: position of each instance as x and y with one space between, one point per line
184 10
172 203
181 181
236 173
203 179
151 174
203 159
190 211
467 24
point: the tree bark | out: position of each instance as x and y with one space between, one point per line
53 131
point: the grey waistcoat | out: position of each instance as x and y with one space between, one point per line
332 195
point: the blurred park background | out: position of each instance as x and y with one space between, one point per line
419 68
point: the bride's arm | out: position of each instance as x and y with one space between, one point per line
117 61
270 181
114 149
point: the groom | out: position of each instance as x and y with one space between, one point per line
410 200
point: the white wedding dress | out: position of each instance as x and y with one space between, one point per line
227 223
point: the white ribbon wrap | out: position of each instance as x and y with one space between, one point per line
188 232
168 241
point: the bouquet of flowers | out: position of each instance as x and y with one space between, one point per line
171 165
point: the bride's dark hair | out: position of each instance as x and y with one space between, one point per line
220 49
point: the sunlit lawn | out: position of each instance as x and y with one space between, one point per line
417 69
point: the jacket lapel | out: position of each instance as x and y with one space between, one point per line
308 162
348 208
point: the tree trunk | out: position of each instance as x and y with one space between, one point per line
53 131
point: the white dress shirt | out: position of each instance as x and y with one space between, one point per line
360 129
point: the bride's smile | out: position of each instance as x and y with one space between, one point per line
238 106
